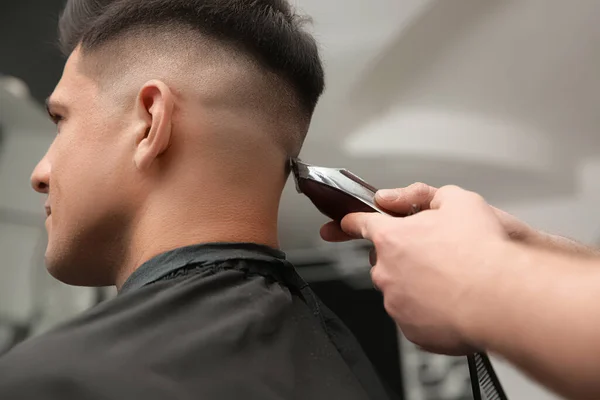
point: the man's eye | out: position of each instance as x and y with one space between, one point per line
56 118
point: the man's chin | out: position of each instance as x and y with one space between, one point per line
69 271
61 272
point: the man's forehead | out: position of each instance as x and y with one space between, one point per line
73 81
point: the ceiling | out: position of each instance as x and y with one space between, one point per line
499 97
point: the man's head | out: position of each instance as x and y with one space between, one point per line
173 116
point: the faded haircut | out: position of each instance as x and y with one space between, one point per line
267 31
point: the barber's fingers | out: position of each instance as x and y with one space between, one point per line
332 232
403 201
456 198
364 225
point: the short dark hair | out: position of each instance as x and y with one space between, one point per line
268 30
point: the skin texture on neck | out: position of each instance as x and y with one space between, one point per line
219 179
223 206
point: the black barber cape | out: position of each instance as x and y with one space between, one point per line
216 321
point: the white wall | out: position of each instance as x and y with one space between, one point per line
28 295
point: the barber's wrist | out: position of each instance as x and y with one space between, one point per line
562 244
527 235
540 239
490 289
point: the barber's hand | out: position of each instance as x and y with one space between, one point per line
401 201
429 266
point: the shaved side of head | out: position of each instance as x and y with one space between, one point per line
243 97
248 61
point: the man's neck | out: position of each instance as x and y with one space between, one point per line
159 232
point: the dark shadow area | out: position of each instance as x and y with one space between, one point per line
362 311
28 36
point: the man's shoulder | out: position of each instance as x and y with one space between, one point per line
63 365
232 331
207 304
195 335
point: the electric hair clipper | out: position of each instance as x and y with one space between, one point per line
337 192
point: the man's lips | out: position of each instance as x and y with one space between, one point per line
48 210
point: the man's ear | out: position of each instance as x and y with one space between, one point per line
154 105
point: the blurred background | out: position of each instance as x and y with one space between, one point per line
500 97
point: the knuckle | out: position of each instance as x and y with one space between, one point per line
396 191
471 197
379 237
456 192
420 190
419 187
384 236
476 197
448 189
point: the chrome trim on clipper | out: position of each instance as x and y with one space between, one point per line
337 178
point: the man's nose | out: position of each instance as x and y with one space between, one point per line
40 178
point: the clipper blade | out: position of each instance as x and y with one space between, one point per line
334 192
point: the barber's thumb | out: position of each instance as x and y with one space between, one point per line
404 201
387 195
391 200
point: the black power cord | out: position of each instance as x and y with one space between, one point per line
484 379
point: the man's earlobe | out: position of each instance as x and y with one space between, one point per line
154 106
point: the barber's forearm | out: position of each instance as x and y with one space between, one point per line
520 232
563 244
542 313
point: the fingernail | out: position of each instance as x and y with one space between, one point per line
387 194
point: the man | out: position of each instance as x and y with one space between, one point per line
176 120
462 275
